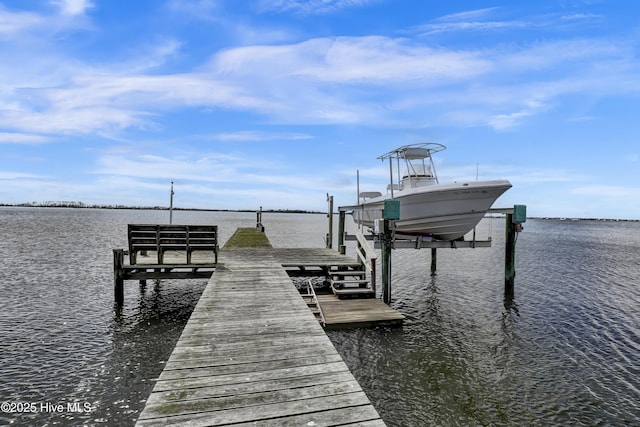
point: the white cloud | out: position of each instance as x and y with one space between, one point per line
207 169
509 121
101 102
353 60
311 7
445 27
72 7
469 15
22 138
344 80
13 24
18 176
239 171
208 10
73 121
258 136
471 20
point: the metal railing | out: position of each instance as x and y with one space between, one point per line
314 300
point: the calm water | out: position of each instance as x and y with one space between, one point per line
564 351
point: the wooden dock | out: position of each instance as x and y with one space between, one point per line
357 313
252 353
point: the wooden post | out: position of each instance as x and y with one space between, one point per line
509 254
386 263
329 240
118 276
341 218
372 278
361 251
259 225
433 261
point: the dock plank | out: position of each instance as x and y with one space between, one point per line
253 353
311 410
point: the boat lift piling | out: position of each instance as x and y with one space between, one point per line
329 238
513 225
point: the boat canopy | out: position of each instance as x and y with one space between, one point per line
370 194
414 151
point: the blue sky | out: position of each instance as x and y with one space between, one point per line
275 103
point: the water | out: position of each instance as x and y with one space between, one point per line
564 351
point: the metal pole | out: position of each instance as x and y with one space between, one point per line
358 214
330 215
391 175
171 205
398 169
358 186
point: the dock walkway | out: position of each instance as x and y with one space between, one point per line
252 353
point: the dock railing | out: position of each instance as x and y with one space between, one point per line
367 256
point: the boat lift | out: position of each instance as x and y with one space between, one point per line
384 237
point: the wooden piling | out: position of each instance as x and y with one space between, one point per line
259 225
341 246
118 275
386 262
509 254
433 261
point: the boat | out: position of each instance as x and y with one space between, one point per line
428 208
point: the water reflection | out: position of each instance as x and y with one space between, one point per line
144 335
563 351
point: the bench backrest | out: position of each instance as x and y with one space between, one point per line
174 237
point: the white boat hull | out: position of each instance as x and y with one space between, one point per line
446 212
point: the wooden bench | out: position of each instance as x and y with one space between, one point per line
170 237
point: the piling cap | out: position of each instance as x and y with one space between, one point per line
519 214
391 209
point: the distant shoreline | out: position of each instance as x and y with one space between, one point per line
79 205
